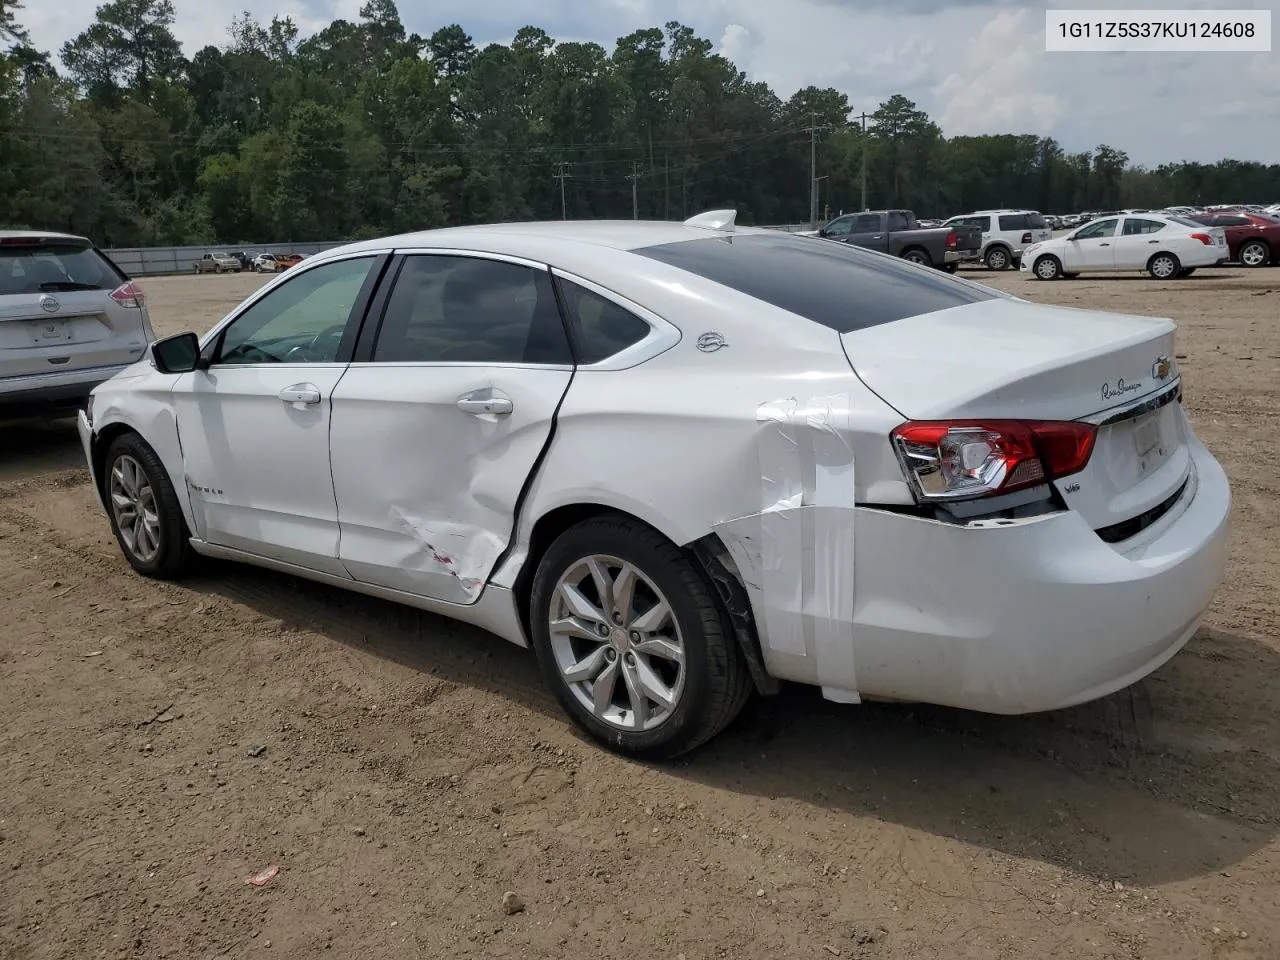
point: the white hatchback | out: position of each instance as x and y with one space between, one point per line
1166 247
685 462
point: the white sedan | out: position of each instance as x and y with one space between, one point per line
1166 247
685 462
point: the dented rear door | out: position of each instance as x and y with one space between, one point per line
442 418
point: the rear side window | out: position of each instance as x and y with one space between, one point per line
1134 226
600 326
1014 221
449 309
1036 221
51 267
898 221
834 284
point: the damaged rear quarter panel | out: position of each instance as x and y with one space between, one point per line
676 443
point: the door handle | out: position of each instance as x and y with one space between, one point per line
1104 244
304 393
1153 241
478 406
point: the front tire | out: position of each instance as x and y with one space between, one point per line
145 515
1254 253
1047 267
1164 266
632 641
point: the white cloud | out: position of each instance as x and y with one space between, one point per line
999 85
735 42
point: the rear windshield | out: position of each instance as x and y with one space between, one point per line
51 267
1188 222
825 281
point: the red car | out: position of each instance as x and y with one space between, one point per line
1253 239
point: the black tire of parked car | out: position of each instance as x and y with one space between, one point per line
1186 271
917 255
1164 266
175 556
998 258
1254 253
716 682
1047 267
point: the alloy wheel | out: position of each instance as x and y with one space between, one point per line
616 643
1253 255
133 505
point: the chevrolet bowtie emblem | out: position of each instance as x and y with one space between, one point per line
1161 369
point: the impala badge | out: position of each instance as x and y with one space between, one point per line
711 342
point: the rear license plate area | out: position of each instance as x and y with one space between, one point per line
1149 442
47 332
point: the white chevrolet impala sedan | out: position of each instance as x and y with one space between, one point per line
685 462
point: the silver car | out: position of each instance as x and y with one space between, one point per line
69 319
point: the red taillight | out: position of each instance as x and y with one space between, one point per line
1203 238
128 295
1026 237
952 240
963 459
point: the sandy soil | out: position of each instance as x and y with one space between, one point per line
414 770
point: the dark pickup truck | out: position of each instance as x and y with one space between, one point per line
898 233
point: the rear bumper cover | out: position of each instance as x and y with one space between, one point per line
1010 617
52 391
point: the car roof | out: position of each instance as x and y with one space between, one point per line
623 235
40 235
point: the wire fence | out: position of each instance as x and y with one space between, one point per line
165 261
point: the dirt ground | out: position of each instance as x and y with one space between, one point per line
414 769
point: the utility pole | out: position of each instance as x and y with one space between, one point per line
812 130
561 176
864 159
634 178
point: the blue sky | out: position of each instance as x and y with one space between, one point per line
976 66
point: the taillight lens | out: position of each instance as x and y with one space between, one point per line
129 295
963 460
1026 237
1203 238
952 240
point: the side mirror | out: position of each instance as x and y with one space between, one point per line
179 353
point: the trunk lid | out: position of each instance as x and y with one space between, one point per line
1007 358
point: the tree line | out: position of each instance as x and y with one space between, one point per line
364 129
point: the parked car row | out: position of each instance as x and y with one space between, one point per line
239 262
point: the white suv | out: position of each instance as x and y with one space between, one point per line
1005 234
69 319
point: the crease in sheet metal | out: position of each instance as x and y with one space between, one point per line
797 554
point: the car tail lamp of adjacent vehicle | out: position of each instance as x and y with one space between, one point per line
947 460
1203 238
953 240
128 295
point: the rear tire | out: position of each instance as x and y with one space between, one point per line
1253 254
1187 271
146 517
998 258
1164 266
917 255
679 645
1047 267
